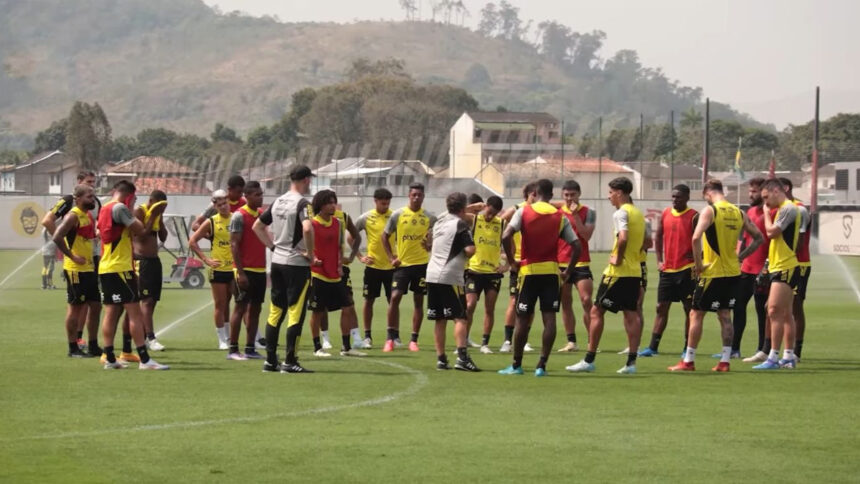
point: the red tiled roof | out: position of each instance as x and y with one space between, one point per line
150 164
176 186
586 165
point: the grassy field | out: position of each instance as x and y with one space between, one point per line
393 417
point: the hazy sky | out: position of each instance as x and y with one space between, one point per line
762 56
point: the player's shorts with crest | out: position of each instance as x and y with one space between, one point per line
545 288
119 287
81 287
410 278
579 273
150 277
256 291
716 293
802 281
676 286
513 282
375 280
788 276
346 282
220 277
328 296
445 301
478 282
618 293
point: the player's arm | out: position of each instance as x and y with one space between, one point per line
308 236
202 232
475 207
354 236
757 238
785 215
428 237
162 230
514 226
259 229
570 237
508 213
68 224
390 228
648 240
658 243
62 207
210 211
706 218
585 230
620 219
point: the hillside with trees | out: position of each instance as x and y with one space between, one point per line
179 65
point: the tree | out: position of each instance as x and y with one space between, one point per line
409 7
53 138
691 118
585 144
224 133
489 24
477 77
363 67
556 42
510 25
585 51
123 148
665 141
88 135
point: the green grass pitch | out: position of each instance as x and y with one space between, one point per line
393 417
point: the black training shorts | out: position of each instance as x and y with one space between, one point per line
534 287
375 280
149 275
256 292
410 278
618 293
119 287
676 286
445 301
81 287
716 293
478 282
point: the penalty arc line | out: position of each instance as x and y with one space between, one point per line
17 269
419 382
182 319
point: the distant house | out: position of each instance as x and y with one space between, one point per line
846 181
7 178
481 137
591 174
150 173
658 178
361 176
48 173
736 188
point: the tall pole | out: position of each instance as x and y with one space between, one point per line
599 154
672 151
562 151
707 148
814 193
641 147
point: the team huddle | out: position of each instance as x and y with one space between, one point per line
715 260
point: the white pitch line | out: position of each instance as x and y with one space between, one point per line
180 320
419 382
28 259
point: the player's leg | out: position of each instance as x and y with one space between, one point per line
74 313
798 310
688 363
745 290
255 307
318 315
510 313
568 318
727 336
298 281
471 305
112 312
147 311
221 301
585 289
779 307
240 308
92 314
661 318
491 296
633 327
393 318
439 329
135 316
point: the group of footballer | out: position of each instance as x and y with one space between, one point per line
715 260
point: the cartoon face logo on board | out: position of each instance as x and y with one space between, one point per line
25 219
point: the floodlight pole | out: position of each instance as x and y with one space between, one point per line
707 145
814 192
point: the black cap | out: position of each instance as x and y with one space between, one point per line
300 172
